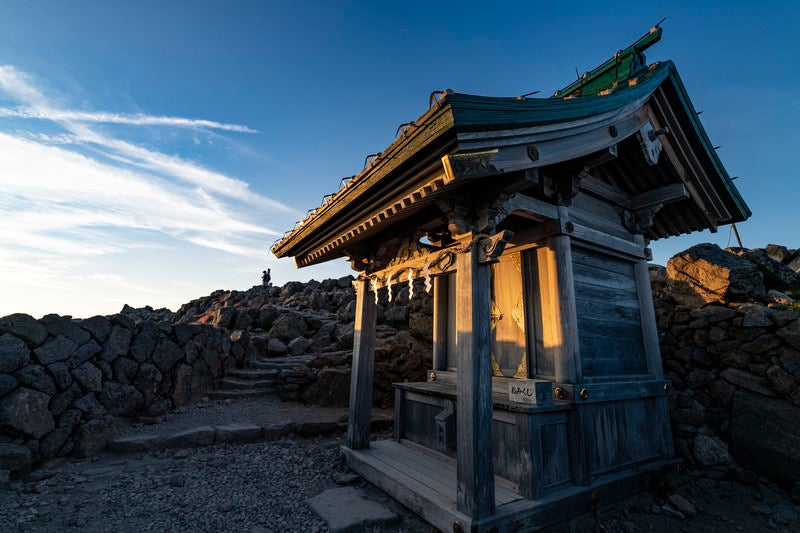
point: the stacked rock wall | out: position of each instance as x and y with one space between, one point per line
62 381
730 344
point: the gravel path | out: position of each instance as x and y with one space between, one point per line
245 488
264 486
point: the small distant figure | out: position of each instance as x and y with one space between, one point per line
265 278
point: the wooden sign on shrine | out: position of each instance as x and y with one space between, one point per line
529 220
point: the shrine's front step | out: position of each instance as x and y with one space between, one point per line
225 394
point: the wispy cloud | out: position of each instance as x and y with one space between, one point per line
71 197
44 113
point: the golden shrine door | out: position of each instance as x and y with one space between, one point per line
509 354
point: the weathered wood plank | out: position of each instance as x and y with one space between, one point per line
602 239
602 262
475 495
452 334
440 319
555 454
559 316
609 309
604 278
541 360
598 215
649 329
360 408
437 508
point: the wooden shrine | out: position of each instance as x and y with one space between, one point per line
529 220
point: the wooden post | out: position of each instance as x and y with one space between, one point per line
647 315
475 495
362 367
559 316
440 290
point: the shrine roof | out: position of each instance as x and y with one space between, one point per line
396 179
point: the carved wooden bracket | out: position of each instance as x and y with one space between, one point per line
564 188
490 214
489 248
457 214
644 206
639 221
651 145
469 165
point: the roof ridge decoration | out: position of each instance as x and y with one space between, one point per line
405 175
622 67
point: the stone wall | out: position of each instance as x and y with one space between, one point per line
62 380
730 340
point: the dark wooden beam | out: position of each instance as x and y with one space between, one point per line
661 196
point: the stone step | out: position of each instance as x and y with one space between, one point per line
230 383
282 363
233 433
224 394
254 373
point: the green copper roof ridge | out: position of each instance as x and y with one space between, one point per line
644 42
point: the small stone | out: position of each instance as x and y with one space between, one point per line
761 509
682 504
224 507
710 451
670 511
177 481
348 509
345 478
182 454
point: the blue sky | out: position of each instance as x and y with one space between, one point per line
151 152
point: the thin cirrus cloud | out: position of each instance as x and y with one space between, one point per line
80 193
115 118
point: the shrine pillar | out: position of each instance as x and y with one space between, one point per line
475 470
361 376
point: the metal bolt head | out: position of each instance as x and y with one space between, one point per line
559 393
584 394
431 376
666 388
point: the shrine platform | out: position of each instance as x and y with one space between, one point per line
425 481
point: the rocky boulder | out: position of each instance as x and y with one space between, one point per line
765 435
26 411
14 353
332 388
705 274
777 276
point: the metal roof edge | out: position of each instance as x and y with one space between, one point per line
727 183
355 187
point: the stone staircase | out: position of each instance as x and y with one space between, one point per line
261 378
